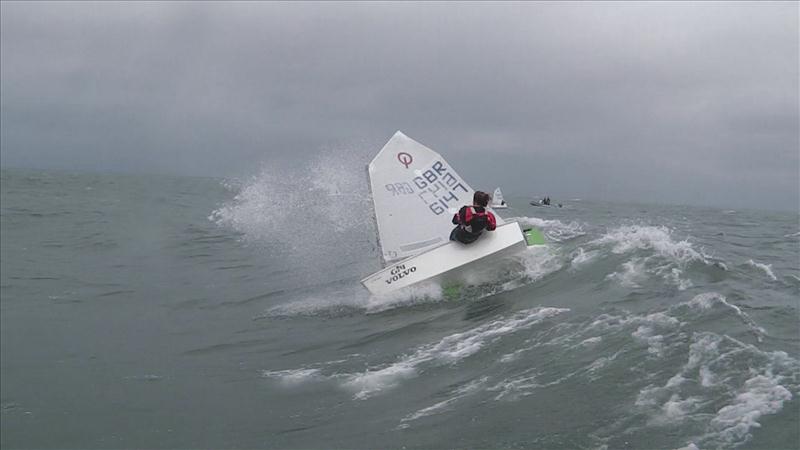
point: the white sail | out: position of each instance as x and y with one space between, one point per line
497 199
415 193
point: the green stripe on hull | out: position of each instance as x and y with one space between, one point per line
533 236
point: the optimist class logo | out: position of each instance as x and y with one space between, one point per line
405 159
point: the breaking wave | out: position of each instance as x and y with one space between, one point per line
554 230
653 252
695 378
766 268
447 351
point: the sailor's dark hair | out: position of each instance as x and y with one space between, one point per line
481 198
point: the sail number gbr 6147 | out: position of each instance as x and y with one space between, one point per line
438 187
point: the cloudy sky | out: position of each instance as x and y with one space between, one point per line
668 102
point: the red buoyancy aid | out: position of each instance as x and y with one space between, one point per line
470 214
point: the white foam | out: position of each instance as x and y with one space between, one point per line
672 407
629 238
448 350
704 347
708 300
444 405
658 318
513 389
581 257
372 381
600 363
538 261
668 258
633 273
767 268
646 325
513 356
655 342
690 446
430 410
516 387
146 377
707 377
315 306
292 377
675 381
349 298
591 341
425 292
648 396
675 410
604 322
472 386
715 366
675 276
760 395
554 230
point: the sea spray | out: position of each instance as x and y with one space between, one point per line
315 217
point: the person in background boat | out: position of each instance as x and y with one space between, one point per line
472 220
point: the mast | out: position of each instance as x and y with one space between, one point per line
375 218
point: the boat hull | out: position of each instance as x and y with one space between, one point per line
447 261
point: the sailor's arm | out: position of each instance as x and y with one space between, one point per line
457 216
491 222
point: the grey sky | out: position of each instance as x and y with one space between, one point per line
678 102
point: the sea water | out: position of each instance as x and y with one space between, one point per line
176 312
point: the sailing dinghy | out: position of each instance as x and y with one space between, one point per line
415 193
497 200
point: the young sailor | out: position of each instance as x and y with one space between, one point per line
472 220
